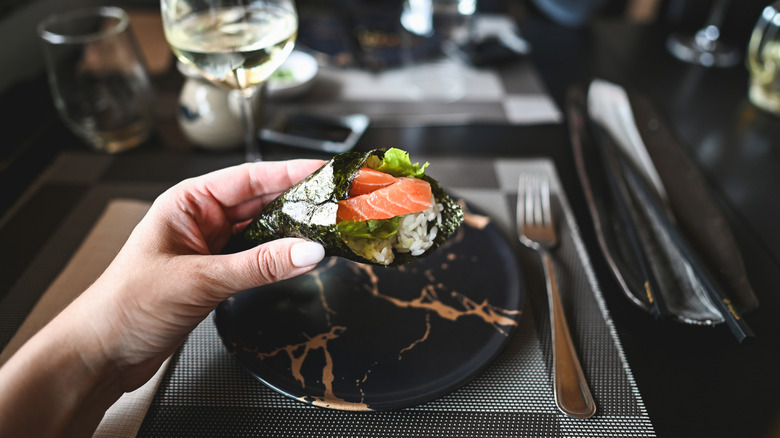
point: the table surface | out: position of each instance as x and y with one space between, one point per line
695 381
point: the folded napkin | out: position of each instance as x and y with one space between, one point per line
101 245
651 207
124 418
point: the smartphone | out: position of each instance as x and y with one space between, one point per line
317 132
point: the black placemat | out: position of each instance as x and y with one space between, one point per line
205 392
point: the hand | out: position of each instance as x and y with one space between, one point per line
167 278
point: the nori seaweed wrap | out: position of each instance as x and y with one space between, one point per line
314 209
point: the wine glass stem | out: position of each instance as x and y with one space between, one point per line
717 13
250 131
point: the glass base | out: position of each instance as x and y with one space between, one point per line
765 97
718 54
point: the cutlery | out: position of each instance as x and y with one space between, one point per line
686 252
622 197
733 318
624 178
536 230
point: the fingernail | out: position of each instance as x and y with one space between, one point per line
306 254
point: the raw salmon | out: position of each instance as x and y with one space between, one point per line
404 196
367 180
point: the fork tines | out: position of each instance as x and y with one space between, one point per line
534 203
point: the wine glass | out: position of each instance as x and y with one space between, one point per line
706 47
236 44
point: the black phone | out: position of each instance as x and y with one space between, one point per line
489 51
313 131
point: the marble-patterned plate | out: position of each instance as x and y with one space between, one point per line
355 337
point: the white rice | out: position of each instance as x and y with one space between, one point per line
415 235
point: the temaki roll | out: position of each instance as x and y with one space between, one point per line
372 207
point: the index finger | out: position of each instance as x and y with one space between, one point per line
235 185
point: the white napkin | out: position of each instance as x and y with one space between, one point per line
101 245
124 418
608 104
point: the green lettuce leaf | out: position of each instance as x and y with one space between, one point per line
309 210
396 162
370 229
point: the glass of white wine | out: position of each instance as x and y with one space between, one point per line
236 44
763 60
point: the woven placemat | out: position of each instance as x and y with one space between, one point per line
206 392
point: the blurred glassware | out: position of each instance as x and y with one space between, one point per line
99 83
210 116
449 19
705 47
763 60
570 13
435 31
237 44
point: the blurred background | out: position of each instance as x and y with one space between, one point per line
22 58
28 112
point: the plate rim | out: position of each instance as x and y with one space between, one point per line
283 89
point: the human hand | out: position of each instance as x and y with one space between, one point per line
170 275
166 279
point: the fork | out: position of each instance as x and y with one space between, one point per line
536 230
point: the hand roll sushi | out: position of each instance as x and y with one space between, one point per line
373 207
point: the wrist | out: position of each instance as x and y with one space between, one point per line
61 376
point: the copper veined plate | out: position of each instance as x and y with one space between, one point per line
355 337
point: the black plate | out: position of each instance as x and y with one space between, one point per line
355 337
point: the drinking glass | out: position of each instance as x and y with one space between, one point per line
763 60
97 76
236 44
434 31
706 47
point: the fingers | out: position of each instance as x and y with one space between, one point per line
249 209
235 185
305 254
264 264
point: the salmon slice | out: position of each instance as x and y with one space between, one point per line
367 180
404 196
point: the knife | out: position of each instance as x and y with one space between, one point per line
624 177
580 127
733 318
696 212
609 154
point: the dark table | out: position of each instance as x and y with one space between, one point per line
695 381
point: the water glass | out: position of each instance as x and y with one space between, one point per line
434 31
98 79
763 60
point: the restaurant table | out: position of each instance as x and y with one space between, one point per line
688 380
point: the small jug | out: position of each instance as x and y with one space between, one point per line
210 116
763 60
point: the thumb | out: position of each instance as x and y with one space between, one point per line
268 263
